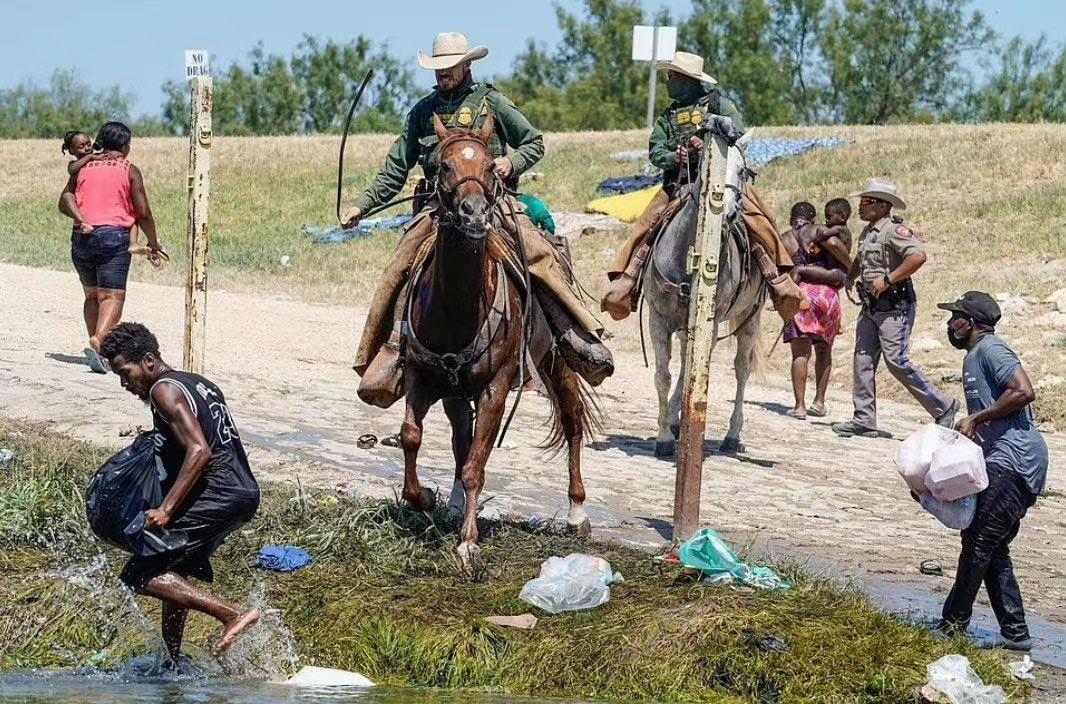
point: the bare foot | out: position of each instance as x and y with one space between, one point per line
234 629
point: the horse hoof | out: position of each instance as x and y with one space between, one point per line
665 448
731 445
580 530
469 557
424 502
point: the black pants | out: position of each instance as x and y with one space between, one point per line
985 555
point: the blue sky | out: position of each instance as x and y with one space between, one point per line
139 44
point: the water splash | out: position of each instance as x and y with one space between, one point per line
269 648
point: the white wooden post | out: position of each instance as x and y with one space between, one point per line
702 333
198 233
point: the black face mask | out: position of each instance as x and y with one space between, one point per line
957 342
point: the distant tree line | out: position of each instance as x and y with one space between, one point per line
783 61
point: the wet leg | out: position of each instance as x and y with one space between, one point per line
418 404
462 421
173 588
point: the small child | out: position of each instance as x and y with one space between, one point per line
835 235
80 146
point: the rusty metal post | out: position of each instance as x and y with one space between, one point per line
198 233
702 332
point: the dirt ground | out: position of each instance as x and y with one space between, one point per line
798 492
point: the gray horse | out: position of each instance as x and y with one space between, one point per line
738 301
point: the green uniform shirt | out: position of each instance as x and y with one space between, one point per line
679 122
882 247
466 107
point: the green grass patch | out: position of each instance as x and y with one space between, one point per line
386 597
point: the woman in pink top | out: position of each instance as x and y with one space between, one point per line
106 194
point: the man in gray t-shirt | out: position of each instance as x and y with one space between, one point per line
998 398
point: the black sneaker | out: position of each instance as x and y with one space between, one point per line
851 429
1021 645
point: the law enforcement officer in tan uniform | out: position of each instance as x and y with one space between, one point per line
889 254
462 103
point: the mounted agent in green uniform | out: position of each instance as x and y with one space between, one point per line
462 103
675 147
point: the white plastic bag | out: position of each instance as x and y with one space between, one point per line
570 583
310 676
957 515
953 677
957 469
915 454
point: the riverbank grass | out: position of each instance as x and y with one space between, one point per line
386 597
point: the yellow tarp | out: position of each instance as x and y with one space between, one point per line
626 207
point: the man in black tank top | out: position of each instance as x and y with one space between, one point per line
209 490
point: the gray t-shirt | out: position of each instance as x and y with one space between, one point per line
1012 442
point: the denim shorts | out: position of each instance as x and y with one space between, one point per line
102 257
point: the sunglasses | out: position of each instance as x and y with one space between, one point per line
873 201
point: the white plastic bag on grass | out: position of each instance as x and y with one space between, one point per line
957 515
953 677
570 583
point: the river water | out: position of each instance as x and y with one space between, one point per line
68 688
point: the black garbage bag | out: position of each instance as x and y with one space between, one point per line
121 491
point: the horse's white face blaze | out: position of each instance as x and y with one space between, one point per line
468 153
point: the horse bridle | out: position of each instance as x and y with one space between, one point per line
446 195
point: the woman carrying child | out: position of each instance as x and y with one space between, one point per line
105 197
821 256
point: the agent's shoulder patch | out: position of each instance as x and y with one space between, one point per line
905 232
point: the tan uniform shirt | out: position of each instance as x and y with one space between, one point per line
882 247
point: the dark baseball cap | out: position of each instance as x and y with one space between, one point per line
978 306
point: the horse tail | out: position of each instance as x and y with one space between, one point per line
590 418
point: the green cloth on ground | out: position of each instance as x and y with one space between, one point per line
709 554
538 212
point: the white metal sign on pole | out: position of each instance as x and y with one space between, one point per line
702 334
653 44
201 98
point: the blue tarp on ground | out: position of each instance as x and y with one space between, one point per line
759 152
336 234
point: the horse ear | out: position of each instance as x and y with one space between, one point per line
439 127
487 129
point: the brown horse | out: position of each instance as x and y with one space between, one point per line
466 320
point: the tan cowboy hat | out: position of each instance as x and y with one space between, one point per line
450 49
884 190
686 64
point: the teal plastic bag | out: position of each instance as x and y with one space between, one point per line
709 554
538 212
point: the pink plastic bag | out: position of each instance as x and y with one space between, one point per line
957 470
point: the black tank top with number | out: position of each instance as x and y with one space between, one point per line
227 472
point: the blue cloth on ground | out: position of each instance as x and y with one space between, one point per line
758 152
284 558
336 234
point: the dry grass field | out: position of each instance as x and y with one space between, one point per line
990 200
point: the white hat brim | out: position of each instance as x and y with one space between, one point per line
439 63
670 66
892 198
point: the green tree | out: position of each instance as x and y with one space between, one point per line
1027 85
589 81
795 28
890 61
308 92
65 103
735 39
